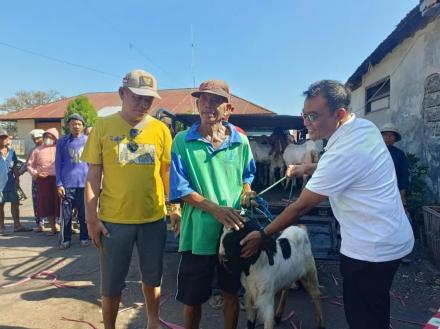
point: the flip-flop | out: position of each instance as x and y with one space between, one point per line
3 232
51 233
22 229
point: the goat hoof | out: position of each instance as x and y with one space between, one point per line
277 319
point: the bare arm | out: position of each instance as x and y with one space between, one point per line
301 169
91 197
226 215
306 201
247 187
175 217
92 191
165 175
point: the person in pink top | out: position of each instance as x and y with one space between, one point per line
41 166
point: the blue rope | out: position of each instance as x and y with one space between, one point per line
263 209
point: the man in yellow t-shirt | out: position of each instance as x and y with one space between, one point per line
129 154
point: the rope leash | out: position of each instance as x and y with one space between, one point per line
46 273
80 321
272 186
43 274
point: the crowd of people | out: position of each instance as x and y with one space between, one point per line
58 180
120 180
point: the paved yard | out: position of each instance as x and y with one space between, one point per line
43 302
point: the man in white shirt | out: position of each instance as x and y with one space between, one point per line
356 173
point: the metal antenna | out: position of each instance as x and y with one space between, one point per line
192 58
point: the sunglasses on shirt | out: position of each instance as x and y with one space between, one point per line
132 145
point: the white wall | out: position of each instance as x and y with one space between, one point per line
23 129
408 67
407 77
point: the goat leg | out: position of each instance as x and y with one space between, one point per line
265 306
281 305
311 285
251 312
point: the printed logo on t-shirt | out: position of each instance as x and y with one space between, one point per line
141 154
75 154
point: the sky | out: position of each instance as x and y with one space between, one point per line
269 52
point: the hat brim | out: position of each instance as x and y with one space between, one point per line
144 92
398 137
213 92
6 135
70 119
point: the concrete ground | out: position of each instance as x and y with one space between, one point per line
44 303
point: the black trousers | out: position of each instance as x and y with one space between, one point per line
366 292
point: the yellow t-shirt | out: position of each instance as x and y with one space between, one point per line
132 187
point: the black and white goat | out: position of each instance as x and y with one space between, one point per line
278 265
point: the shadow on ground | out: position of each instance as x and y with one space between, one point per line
38 303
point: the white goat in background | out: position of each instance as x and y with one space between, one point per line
261 153
304 153
268 154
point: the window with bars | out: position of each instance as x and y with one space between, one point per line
377 96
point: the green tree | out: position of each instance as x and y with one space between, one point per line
84 107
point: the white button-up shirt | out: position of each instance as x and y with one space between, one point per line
357 173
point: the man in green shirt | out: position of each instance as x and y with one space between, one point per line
211 171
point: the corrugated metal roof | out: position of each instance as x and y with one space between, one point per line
252 122
108 110
174 100
413 22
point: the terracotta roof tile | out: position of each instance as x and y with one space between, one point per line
174 100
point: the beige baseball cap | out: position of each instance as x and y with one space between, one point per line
216 87
141 83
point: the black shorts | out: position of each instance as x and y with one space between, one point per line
195 278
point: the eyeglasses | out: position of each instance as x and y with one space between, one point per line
132 145
310 117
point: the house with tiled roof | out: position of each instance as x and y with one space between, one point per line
399 83
51 114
